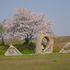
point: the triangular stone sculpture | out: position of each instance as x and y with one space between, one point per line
65 49
12 51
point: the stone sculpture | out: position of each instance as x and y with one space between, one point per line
65 49
44 43
12 51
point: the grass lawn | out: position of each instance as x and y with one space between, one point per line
53 61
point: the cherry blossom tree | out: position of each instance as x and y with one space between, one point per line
26 24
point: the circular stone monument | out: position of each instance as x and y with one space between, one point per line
44 43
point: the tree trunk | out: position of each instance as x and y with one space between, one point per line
27 39
2 39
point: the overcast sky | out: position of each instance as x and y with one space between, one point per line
58 11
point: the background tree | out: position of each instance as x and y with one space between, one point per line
26 24
2 33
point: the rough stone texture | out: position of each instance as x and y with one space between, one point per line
65 49
49 47
12 51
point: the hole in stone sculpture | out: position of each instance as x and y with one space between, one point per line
45 41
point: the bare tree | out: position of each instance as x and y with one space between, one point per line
27 24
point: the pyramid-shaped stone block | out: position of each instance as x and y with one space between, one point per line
12 51
65 49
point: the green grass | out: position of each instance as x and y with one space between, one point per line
36 62
27 51
2 49
54 61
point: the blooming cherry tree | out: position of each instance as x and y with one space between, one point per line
26 24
